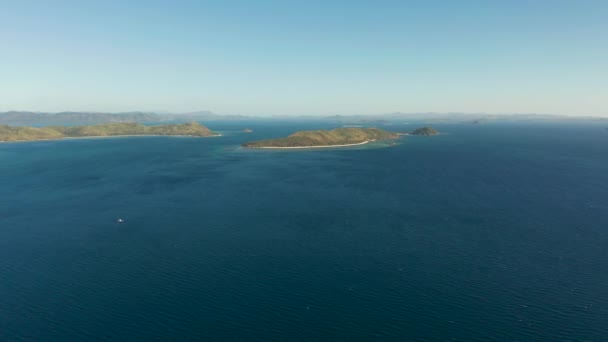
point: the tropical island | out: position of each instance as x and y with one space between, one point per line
24 133
339 137
424 131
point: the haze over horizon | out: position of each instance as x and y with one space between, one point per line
314 58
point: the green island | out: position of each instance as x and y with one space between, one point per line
424 131
338 137
23 133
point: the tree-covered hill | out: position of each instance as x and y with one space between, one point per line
20 133
338 136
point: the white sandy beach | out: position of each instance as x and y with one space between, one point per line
325 146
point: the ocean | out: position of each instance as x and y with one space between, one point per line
492 232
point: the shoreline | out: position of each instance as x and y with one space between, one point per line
112 136
319 146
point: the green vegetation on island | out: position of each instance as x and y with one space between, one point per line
322 138
424 131
17 133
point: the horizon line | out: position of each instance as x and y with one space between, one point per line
210 112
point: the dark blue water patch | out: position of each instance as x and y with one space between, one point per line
487 232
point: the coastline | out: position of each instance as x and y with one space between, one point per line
113 136
319 146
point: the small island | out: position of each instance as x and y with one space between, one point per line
247 130
339 137
18 133
424 131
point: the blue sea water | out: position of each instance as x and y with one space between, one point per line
487 232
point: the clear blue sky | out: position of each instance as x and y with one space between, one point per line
305 57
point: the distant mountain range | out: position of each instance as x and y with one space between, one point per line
88 118
455 117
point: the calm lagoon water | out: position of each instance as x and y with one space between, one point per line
488 232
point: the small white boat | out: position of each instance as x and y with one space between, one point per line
119 220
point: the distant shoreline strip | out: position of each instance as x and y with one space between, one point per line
318 146
115 136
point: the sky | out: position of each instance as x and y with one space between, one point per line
264 57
